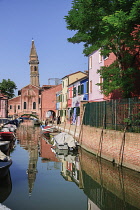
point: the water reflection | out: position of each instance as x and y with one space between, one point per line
28 136
106 186
5 187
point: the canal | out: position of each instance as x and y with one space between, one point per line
41 179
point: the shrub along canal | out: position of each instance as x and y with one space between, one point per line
41 179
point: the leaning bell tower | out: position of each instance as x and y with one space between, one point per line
33 62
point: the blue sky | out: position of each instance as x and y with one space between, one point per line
42 20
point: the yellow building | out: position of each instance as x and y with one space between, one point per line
66 81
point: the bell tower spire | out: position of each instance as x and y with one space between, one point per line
33 62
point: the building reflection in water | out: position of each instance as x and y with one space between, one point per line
31 140
29 137
106 185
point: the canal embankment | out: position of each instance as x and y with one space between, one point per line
121 148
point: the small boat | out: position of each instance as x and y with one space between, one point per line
3 121
4 145
5 163
9 127
51 129
64 141
7 136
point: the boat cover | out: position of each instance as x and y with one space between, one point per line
65 138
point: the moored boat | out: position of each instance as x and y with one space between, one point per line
64 141
7 136
5 163
4 145
9 127
51 129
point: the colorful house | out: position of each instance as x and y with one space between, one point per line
49 101
58 102
96 61
66 81
77 92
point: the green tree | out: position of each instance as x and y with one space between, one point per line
112 26
8 87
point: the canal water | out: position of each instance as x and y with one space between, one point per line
41 179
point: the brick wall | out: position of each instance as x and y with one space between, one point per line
111 144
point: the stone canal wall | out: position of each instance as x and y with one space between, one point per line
118 147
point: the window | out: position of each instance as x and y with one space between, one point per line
18 106
39 100
105 57
34 105
74 91
100 81
61 113
79 89
100 57
90 86
10 106
63 84
24 105
35 68
60 98
82 88
90 62
87 87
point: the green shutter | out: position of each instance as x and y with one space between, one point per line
79 89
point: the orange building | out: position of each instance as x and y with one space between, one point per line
48 96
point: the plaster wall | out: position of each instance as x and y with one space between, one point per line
94 64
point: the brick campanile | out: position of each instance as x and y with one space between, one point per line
33 62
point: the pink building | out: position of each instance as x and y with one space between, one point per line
96 61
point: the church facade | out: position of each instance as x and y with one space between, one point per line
29 99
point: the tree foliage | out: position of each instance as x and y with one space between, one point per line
115 79
112 26
8 87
